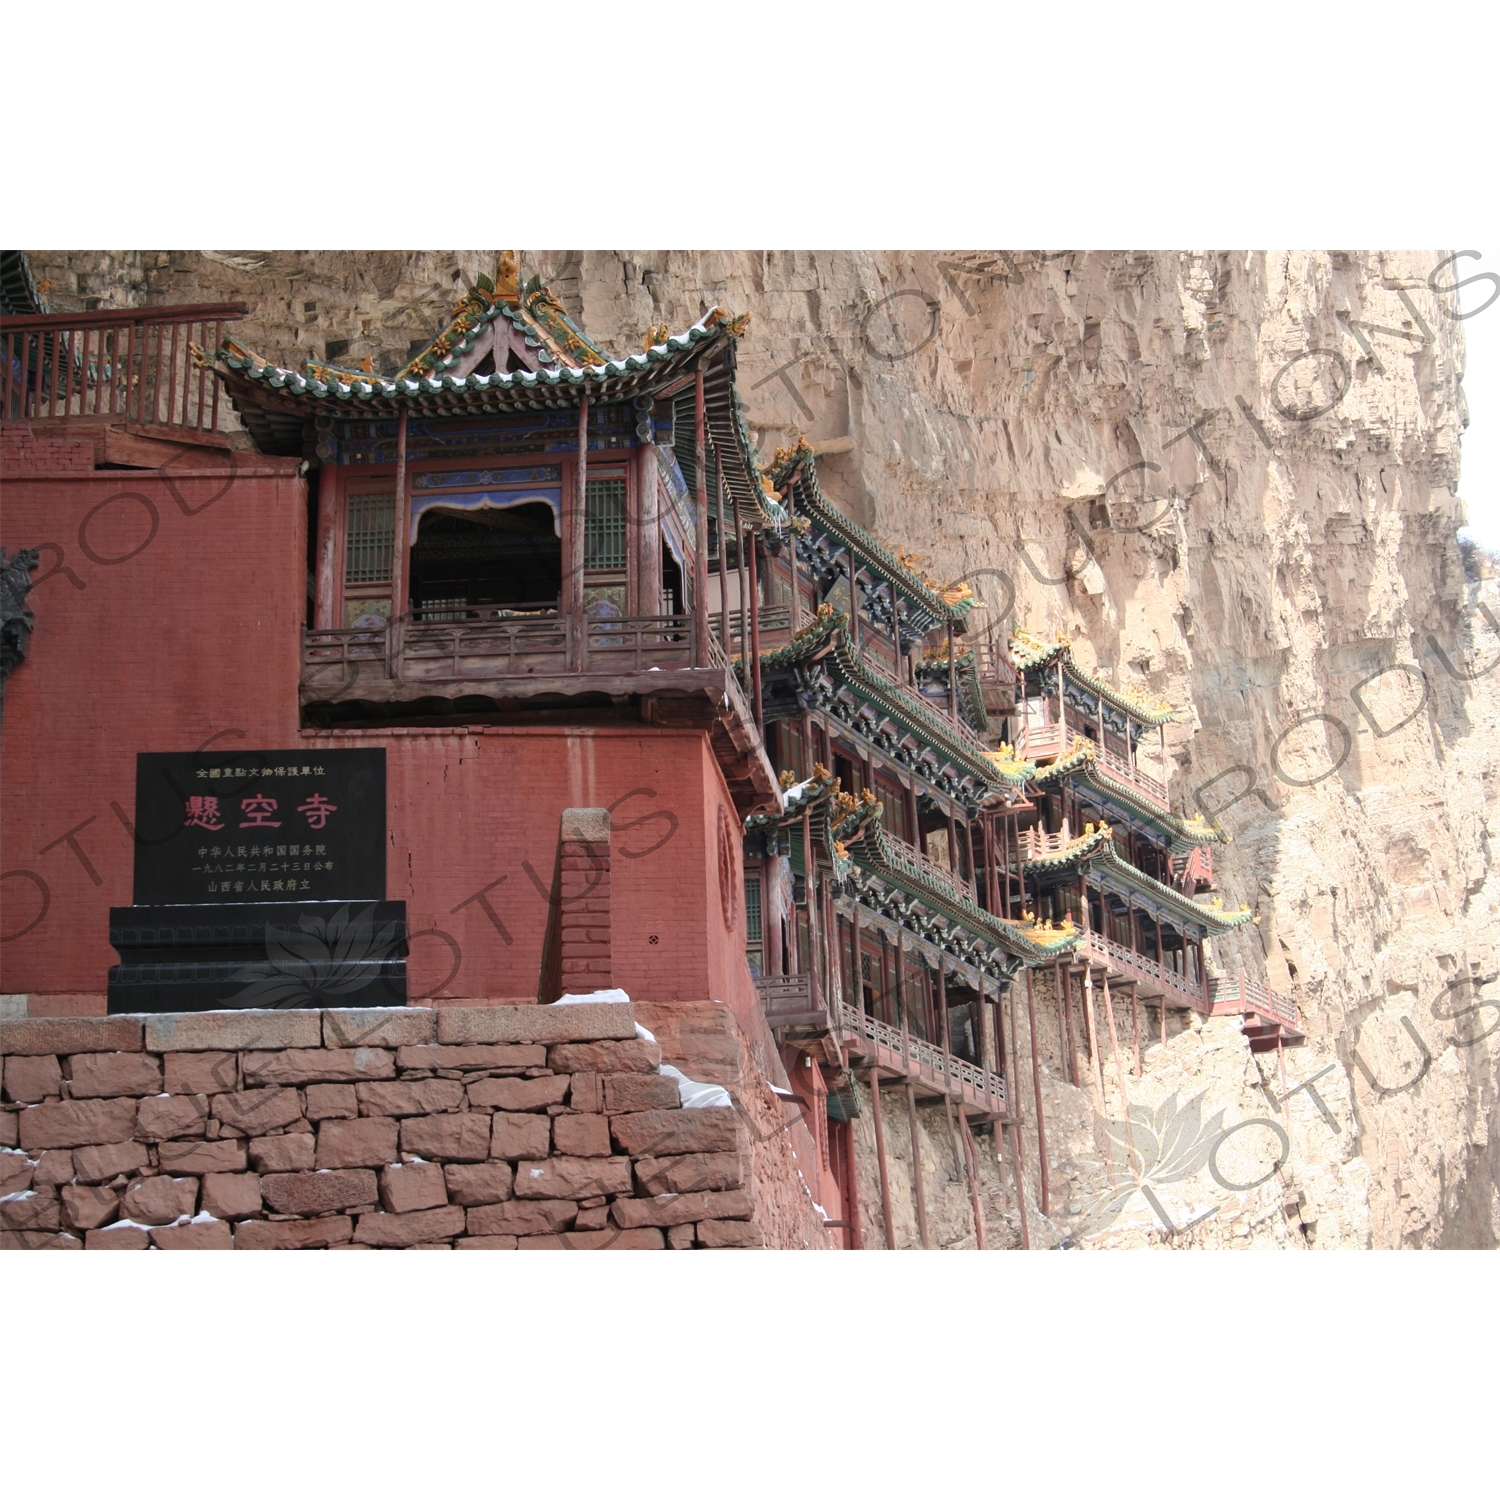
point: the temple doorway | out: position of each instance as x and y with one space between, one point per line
467 562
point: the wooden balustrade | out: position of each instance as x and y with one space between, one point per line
127 364
1049 741
425 647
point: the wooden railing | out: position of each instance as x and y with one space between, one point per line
540 644
1107 951
1035 842
787 1000
898 851
923 1058
134 365
1237 993
1046 741
992 661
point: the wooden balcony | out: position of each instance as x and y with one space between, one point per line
899 851
787 1000
1238 994
788 1003
127 369
1046 742
997 677
1151 979
1271 1017
509 663
932 1071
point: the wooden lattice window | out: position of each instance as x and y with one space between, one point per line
370 538
604 524
754 950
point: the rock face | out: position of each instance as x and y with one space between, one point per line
1231 479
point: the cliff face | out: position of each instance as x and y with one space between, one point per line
1231 479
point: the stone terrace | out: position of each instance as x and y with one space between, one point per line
493 1128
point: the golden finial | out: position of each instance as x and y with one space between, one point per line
657 333
508 277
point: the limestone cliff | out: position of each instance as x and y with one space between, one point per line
1231 478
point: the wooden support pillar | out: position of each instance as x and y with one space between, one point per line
851 1195
952 675
325 595
981 1236
899 988
723 554
1135 1025
1036 1089
1093 1033
916 1166
648 587
854 606
401 551
794 614
859 964
760 713
1062 980
570 605
885 1177
739 560
1018 1176
701 633
942 991
809 890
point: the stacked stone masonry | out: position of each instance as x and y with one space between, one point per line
494 1128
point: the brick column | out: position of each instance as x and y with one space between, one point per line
582 895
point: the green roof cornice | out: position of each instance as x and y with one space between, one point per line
880 854
1031 654
827 640
797 467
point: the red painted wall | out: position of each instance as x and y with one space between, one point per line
178 622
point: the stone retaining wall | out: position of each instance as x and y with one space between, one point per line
503 1127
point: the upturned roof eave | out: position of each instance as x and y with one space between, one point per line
800 469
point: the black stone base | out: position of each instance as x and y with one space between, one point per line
292 955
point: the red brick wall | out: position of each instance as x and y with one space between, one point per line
168 611
22 452
196 635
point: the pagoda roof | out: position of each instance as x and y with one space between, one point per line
827 641
1082 763
1031 653
277 403
1095 848
880 854
933 602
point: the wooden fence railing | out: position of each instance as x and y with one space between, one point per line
132 364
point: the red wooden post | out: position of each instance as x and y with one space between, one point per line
325 599
574 514
952 675
1036 1088
851 1194
739 560
885 1180
760 714
723 559
401 553
916 1165
700 559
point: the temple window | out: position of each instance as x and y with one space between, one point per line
369 541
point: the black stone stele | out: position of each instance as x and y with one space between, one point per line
259 885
